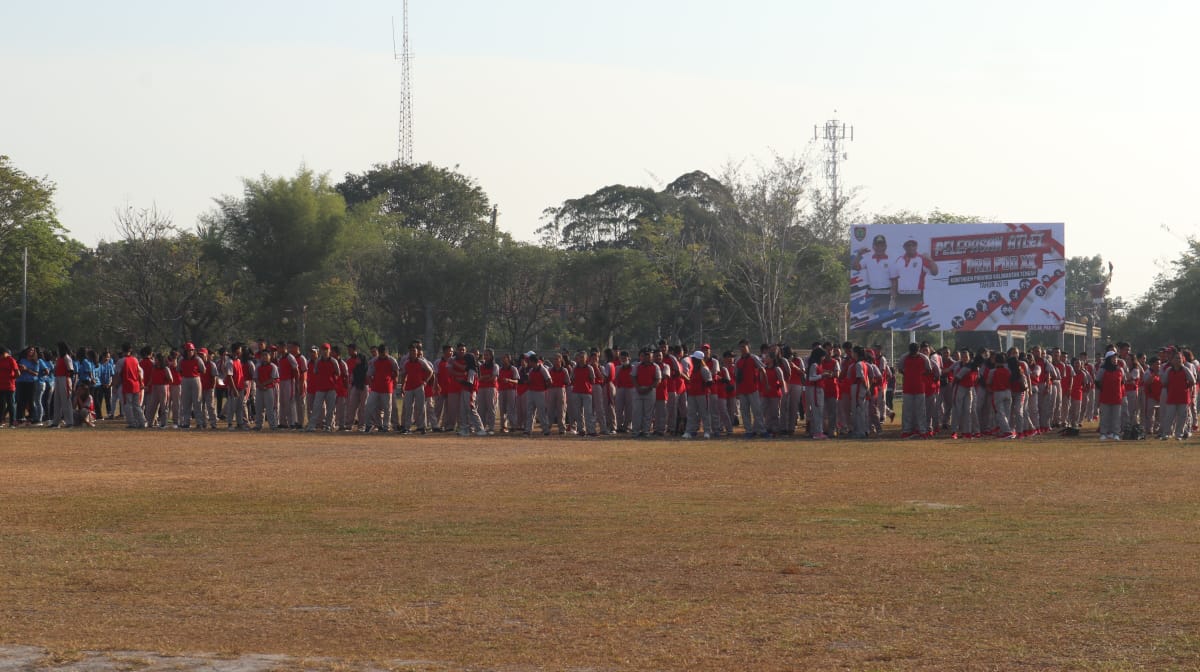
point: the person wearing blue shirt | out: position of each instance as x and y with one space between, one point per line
45 387
103 390
28 405
85 367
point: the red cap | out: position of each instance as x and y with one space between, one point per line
325 346
203 351
706 346
189 346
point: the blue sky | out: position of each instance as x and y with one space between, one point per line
1064 111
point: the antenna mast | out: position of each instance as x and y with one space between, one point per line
404 56
834 133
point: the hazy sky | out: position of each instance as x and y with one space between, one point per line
1080 112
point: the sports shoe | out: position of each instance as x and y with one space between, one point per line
687 435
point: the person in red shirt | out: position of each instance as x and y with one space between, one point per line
1152 384
1110 379
132 383
417 374
816 375
914 366
208 386
487 393
1077 392
266 398
83 406
699 402
646 378
64 371
860 393
774 387
341 391
190 367
794 401
469 422
965 423
831 385
662 393
556 396
601 397
9 372
748 375
507 378
235 386
288 365
537 378
157 408
1000 383
323 376
580 411
1177 383
723 401
625 392
175 390
382 374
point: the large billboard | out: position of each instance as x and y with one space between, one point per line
963 277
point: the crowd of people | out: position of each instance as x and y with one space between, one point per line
832 390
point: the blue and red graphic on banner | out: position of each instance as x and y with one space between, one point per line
963 277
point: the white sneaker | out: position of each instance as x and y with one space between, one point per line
708 435
687 435
1116 437
1104 437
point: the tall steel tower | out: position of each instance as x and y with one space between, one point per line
404 56
834 133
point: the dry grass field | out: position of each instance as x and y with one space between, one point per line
573 553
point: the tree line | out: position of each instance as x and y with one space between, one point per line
403 251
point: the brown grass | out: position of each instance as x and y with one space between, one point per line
609 554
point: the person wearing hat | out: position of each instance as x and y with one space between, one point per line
907 272
699 380
190 367
875 271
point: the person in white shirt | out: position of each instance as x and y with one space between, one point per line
875 268
908 277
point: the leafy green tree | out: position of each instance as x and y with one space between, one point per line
29 221
277 241
778 276
1167 313
440 202
603 219
153 285
610 297
525 293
